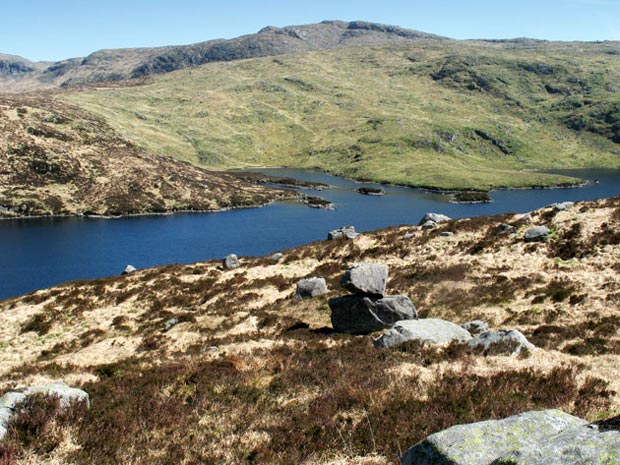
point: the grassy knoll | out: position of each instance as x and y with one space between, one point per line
442 114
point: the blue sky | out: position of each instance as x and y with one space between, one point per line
57 29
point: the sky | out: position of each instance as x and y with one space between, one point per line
51 30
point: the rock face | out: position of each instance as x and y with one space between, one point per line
311 287
486 442
475 327
346 232
66 395
359 314
434 217
366 278
231 262
128 270
430 330
508 342
537 234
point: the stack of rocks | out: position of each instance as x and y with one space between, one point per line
368 309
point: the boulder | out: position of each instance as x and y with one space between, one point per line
563 206
8 402
276 257
475 327
171 323
231 262
311 287
504 228
366 278
346 232
66 394
446 234
434 217
408 236
483 442
358 314
537 234
429 225
128 270
498 342
430 330
591 444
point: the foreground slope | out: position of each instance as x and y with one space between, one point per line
193 364
19 75
58 160
444 114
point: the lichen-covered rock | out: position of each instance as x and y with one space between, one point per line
430 330
498 342
311 287
537 234
475 327
434 217
231 262
482 443
66 394
366 278
358 314
585 445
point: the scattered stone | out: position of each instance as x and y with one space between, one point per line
346 232
171 323
537 234
366 278
485 442
430 330
434 217
408 236
562 206
446 234
311 287
370 191
475 327
66 394
358 314
231 262
527 218
429 225
128 270
500 342
503 228
276 257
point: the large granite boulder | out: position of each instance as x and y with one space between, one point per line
592 444
430 330
366 278
537 234
346 232
358 314
500 342
310 287
482 443
434 217
231 262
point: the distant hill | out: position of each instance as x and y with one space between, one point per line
20 75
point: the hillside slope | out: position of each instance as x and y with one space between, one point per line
435 113
195 364
122 64
58 160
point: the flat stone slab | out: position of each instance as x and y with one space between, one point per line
430 330
366 278
358 314
483 442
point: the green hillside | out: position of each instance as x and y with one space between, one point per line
442 114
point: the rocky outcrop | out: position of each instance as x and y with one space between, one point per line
360 314
346 232
366 278
231 262
498 342
486 442
434 217
311 287
537 234
429 330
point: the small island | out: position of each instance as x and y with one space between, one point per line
473 197
370 191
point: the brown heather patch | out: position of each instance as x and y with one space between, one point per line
252 375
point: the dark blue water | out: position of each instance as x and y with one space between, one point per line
39 253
